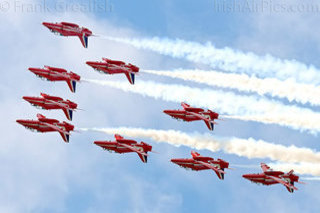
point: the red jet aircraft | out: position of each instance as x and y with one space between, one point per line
51 102
44 124
115 67
122 145
70 29
198 162
194 114
57 74
269 177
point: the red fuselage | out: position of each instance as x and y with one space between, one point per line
194 165
119 148
189 116
44 124
54 74
108 66
57 74
260 178
70 29
40 126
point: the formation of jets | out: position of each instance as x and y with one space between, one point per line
120 144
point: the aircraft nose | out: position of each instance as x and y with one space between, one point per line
98 143
90 63
166 111
26 98
173 160
246 176
32 69
19 121
45 24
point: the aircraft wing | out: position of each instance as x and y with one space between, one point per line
290 187
134 149
57 103
220 173
67 111
210 123
64 134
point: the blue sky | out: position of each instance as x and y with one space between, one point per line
39 173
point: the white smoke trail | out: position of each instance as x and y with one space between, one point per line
246 166
248 108
300 168
310 178
290 90
249 148
228 59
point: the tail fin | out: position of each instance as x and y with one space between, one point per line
118 137
210 124
130 77
68 113
194 154
72 85
220 174
291 172
291 189
84 40
144 158
65 136
144 152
